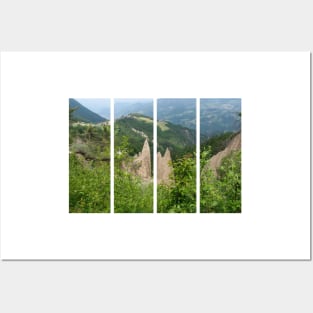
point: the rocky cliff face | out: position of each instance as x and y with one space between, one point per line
165 168
216 160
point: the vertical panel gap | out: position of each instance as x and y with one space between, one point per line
155 159
198 155
112 154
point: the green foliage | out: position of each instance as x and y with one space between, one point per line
131 194
180 195
175 137
89 177
218 142
221 194
71 114
89 168
89 186
124 127
92 141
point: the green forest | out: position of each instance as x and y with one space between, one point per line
89 166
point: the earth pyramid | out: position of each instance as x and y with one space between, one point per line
165 168
141 165
143 162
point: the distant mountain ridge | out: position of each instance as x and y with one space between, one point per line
178 111
218 116
124 108
82 114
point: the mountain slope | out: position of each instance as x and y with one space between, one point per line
216 160
177 138
137 128
178 111
82 114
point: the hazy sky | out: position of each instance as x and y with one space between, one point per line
133 105
234 101
133 100
99 106
177 103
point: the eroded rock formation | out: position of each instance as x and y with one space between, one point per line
141 165
165 168
216 160
142 162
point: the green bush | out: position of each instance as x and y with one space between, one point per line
131 194
222 194
89 174
89 186
180 195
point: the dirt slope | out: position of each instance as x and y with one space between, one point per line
216 160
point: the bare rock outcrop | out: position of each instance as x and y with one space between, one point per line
142 162
140 165
216 160
165 168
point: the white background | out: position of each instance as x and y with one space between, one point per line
275 219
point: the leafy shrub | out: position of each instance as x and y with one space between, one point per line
89 186
131 194
180 195
89 174
222 194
